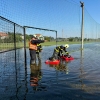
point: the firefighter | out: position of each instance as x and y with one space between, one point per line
33 48
63 51
59 51
39 49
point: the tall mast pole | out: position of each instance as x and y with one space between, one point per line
82 26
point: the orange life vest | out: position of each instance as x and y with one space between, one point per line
32 46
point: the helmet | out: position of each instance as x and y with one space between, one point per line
34 36
66 45
61 46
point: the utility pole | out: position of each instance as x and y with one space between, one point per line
82 25
62 33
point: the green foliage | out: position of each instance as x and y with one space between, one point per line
18 38
28 37
71 39
48 38
10 38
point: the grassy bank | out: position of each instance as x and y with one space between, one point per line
21 44
58 43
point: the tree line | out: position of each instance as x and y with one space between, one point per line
10 38
20 38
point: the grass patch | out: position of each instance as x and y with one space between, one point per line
21 44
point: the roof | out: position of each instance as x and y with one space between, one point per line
3 34
38 35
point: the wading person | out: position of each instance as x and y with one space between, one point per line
39 49
63 51
33 47
59 51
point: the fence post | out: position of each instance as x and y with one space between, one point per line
56 38
82 25
25 45
15 41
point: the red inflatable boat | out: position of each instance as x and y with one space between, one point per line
67 58
52 62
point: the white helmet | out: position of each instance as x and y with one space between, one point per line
66 45
34 36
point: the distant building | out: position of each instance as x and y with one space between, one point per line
3 35
39 36
22 36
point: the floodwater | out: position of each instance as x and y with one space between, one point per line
74 80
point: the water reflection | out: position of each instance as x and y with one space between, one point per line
63 66
82 71
35 75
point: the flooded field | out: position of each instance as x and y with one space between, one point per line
74 80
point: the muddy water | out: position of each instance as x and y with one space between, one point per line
74 80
